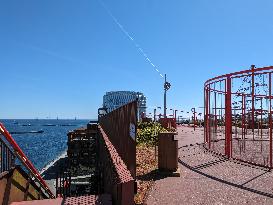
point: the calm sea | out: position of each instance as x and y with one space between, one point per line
42 148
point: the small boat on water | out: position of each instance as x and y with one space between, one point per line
28 132
39 131
66 125
26 125
15 122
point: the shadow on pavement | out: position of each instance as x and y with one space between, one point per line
153 175
241 186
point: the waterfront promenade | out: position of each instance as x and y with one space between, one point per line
210 179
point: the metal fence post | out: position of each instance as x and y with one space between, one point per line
270 122
228 117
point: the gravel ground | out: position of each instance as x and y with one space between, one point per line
211 179
255 151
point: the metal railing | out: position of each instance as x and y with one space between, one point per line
19 154
7 158
63 183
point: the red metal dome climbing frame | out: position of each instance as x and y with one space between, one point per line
238 115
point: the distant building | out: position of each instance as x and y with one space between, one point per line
115 99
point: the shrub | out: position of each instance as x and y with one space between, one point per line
147 132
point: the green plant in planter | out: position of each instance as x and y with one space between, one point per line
147 132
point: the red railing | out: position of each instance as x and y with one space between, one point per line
23 158
7 158
238 115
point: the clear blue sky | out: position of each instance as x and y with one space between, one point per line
58 57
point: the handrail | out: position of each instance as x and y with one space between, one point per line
25 160
7 157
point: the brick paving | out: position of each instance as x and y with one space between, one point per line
211 179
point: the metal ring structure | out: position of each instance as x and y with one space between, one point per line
238 115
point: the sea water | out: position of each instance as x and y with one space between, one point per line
42 148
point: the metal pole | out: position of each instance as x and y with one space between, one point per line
261 118
252 95
270 123
194 119
155 134
209 120
228 128
215 115
193 110
243 116
165 103
206 119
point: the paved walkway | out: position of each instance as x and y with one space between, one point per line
209 179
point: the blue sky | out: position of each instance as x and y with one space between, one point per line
58 57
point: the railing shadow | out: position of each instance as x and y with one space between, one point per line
240 186
152 175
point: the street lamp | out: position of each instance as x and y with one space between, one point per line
175 115
155 113
172 110
182 116
167 86
200 114
193 110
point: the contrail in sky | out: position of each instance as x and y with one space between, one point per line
130 37
53 54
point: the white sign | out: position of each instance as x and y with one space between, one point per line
132 131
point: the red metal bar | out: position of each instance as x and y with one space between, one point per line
270 123
240 72
256 95
215 115
228 116
243 117
249 74
205 120
216 81
209 131
207 116
24 159
261 119
252 95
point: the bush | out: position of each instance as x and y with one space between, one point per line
147 132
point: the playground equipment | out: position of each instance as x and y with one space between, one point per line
238 115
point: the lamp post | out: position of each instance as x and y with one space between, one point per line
200 114
167 86
172 110
193 110
159 114
175 115
182 116
189 118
